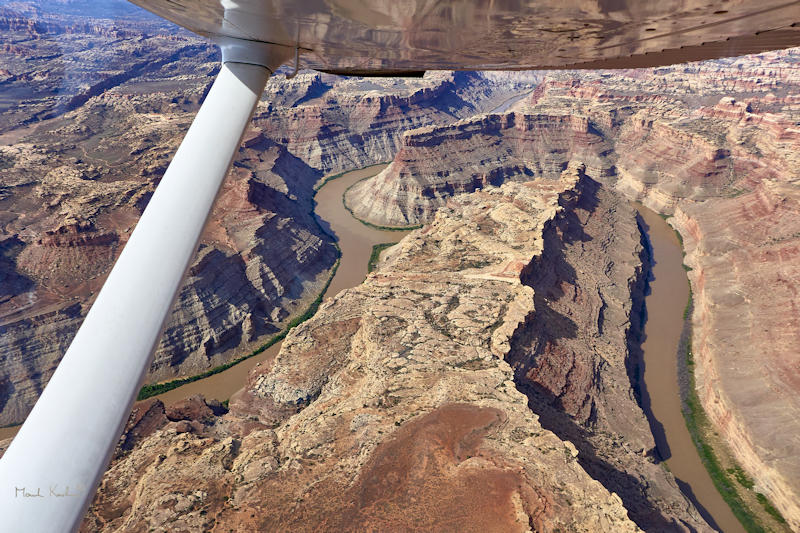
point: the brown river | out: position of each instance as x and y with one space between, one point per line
669 292
665 305
355 241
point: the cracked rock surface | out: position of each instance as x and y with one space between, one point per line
394 407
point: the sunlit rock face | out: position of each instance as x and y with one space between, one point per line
340 124
659 136
436 162
744 252
716 143
95 109
398 406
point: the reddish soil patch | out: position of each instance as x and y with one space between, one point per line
422 479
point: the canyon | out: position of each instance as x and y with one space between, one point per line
715 144
485 376
398 404
92 141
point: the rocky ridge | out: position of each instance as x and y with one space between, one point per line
396 405
653 130
577 357
716 143
658 148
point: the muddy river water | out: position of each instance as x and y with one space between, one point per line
665 305
669 293
355 241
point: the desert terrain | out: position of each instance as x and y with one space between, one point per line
487 375
85 155
713 143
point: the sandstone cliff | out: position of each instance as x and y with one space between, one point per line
340 405
744 254
340 124
436 162
103 122
396 407
658 154
715 142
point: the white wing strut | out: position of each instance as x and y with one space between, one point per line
49 474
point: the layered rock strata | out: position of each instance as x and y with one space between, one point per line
659 160
343 123
745 258
96 124
395 406
436 162
701 140
262 257
659 135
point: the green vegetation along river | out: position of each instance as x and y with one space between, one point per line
669 294
355 241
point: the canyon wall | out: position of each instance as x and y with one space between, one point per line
397 407
717 144
88 129
345 123
468 328
658 152
745 258
436 162
262 258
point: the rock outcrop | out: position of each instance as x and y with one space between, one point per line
714 142
262 256
404 396
655 155
100 135
395 406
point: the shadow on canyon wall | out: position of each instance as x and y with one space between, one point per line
555 367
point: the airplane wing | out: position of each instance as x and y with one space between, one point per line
66 442
358 36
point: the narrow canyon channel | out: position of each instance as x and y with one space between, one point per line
669 293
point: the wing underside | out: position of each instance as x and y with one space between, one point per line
413 35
